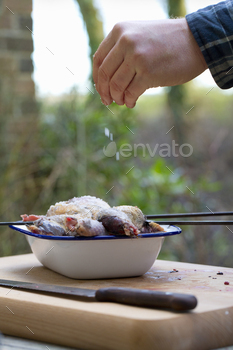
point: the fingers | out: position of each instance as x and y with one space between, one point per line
107 69
114 69
104 48
135 89
119 82
103 69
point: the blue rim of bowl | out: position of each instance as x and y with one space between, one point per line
176 231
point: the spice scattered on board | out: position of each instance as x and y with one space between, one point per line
219 273
226 283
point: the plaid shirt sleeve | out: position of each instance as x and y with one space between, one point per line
212 28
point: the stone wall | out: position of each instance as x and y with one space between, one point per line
18 109
17 90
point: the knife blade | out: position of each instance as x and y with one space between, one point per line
129 296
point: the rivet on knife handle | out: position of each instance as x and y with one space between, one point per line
147 298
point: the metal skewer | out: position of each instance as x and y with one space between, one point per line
8 223
186 215
204 222
158 216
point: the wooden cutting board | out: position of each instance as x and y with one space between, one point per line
93 325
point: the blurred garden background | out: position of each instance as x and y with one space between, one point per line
56 134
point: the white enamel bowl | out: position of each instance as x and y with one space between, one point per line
98 257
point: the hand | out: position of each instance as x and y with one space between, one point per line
136 56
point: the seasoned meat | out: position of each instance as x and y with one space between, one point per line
66 225
117 222
84 227
43 226
134 214
90 216
86 206
151 227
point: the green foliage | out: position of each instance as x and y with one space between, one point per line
73 138
176 8
162 190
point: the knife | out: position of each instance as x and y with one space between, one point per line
129 296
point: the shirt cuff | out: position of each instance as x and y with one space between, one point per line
212 28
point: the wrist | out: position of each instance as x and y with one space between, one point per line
194 47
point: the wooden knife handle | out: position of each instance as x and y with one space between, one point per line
147 298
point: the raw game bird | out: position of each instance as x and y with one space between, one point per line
90 216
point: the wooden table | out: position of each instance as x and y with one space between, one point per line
84 325
15 343
9 343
